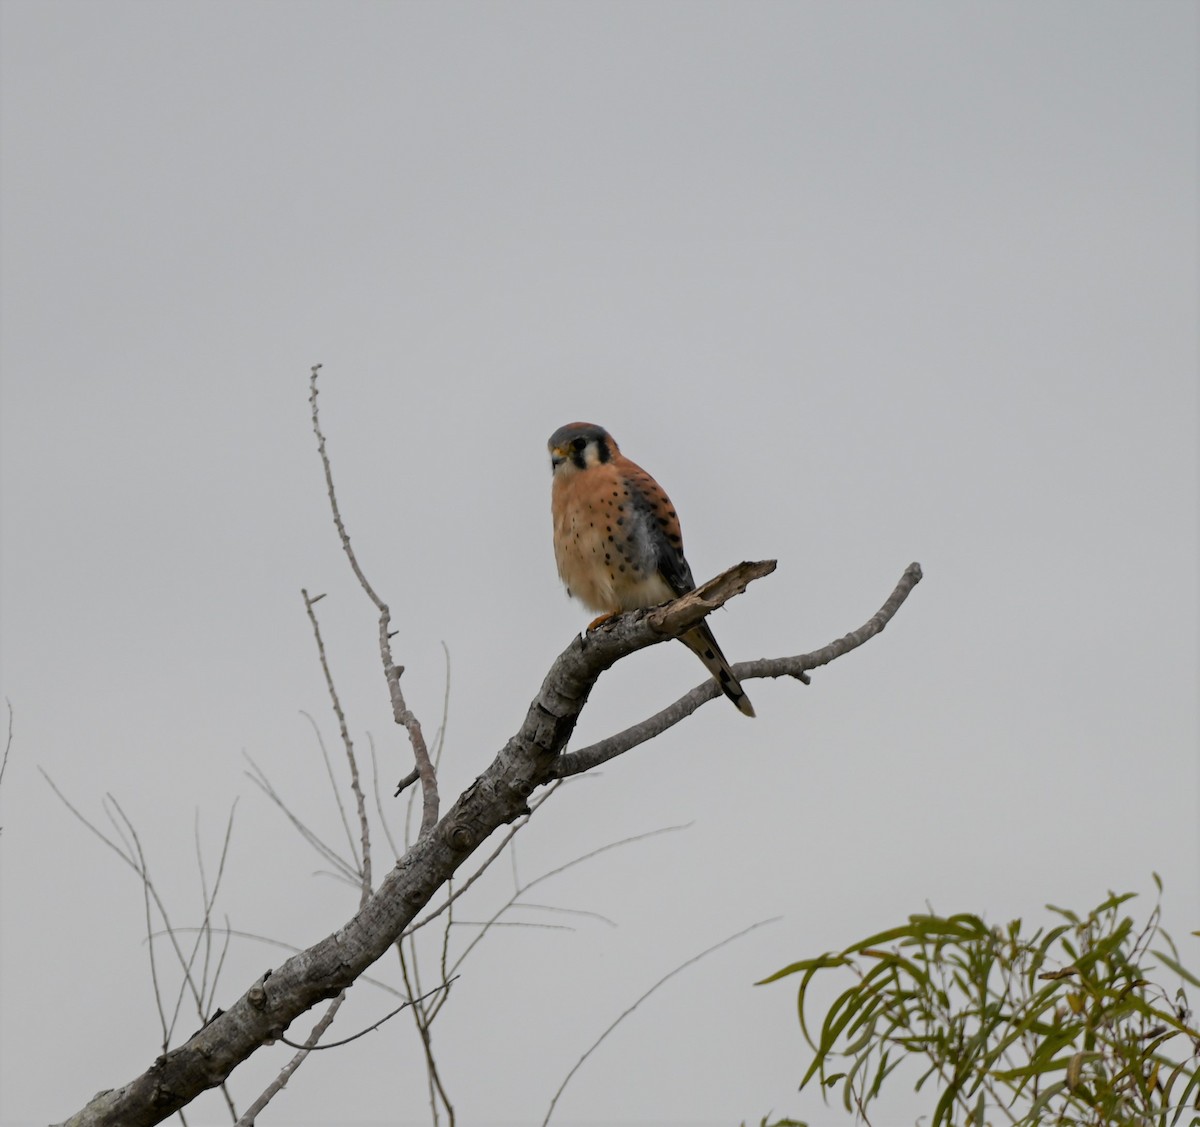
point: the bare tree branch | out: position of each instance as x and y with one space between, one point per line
134 856
509 834
340 716
498 797
594 754
208 899
363 862
362 859
233 933
285 1073
423 1021
391 671
204 1004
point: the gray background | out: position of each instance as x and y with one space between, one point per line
859 284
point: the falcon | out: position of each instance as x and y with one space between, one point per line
617 541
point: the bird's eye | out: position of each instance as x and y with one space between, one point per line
578 443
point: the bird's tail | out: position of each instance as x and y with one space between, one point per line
702 643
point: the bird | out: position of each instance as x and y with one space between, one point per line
617 541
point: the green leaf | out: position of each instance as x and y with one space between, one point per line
1037 1069
993 1028
822 962
1178 968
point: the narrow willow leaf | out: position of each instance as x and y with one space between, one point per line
1042 1104
1075 1070
943 1113
1039 1069
1178 968
866 1033
1189 1097
820 963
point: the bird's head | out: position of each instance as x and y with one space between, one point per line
580 445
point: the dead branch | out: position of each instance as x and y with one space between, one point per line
278 1084
343 729
391 671
594 754
363 862
498 797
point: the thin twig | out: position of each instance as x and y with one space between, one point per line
567 912
387 829
8 742
406 782
444 959
352 865
370 1028
510 833
362 863
204 936
421 1020
522 889
208 987
130 835
665 978
144 870
154 983
134 856
210 1004
260 780
343 729
439 739
400 710
284 1075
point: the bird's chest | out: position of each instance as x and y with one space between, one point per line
604 546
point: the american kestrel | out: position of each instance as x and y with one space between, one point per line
617 541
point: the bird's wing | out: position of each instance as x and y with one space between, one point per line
662 524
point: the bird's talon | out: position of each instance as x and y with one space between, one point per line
598 622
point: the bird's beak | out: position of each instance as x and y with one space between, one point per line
557 456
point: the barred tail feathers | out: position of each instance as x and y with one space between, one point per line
702 643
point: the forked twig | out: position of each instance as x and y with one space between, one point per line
285 1073
363 858
362 861
422 1020
400 710
130 851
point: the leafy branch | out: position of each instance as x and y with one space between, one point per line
1069 1024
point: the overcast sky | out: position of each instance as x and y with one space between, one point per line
860 284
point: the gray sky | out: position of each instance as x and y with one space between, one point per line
859 284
